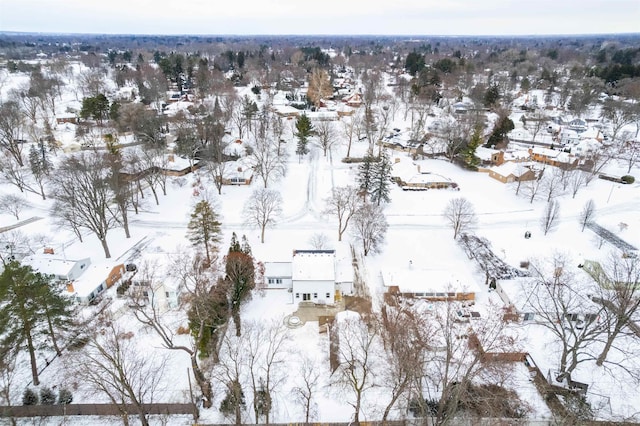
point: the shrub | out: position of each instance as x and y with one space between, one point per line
29 397
47 396
628 179
65 397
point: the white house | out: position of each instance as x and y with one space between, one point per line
62 269
313 276
96 279
278 275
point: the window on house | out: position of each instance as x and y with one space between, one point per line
528 317
278 280
145 293
297 295
271 280
315 295
328 295
166 294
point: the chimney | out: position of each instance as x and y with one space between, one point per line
170 158
48 250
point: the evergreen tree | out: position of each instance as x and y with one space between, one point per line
503 126
204 227
26 301
240 276
468 152
381 179
65 396
29 397
366 174
47 396
304 130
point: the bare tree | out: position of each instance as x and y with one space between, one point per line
629 152
460 214
8 356
587 214
197 282
269 164
577 179
369 227
81 188
567 314
111 364
620 296
262 209
550 216
267 345
357 366
13 204
231 374
351 128
553 183
405 334
11 130
343 204
533 186
307 387
325 135
319 241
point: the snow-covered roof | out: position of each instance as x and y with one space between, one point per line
428 280
277 269
313 265
510 168
52 265
95 275
485 154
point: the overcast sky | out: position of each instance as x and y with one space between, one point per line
409 17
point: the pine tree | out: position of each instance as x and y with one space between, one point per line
381 179
26 298
469 151
366 174
204 227
47 396
304 130
29 397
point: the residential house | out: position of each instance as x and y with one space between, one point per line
353 100
61 268
239 172
555 158
489 157
96 279
67 118
409 176
512 172
178 166
278 275
313 276
435 284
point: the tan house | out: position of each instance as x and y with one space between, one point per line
552 157
512 172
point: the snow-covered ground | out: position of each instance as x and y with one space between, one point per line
418 237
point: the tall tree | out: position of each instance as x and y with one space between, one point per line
587 214
381 182
241 275
342 203
319 86
81 190
204 227
550 216
366 174
112 365
12 129
369 227
29 305
262 209
460 214
304 130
